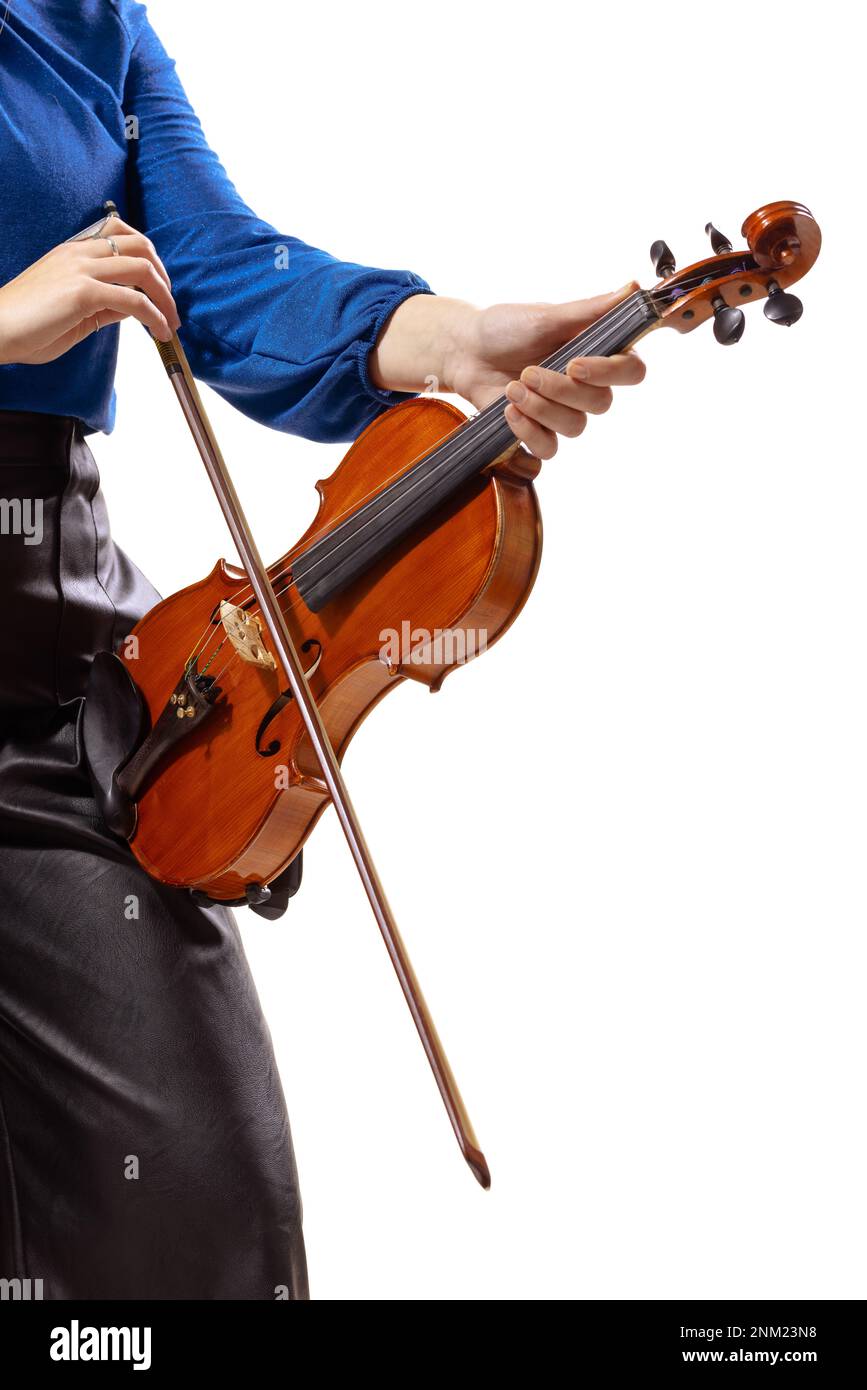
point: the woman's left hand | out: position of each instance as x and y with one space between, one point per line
542 404
481 354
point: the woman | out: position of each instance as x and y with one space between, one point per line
144 1144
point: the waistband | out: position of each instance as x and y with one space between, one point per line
26 435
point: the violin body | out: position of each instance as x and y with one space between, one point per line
214 739
233 802
425 546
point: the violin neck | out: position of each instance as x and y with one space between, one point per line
613 333
331 563
484 438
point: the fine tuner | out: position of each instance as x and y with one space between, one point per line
774 246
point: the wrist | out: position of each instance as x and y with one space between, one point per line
423 345
458 332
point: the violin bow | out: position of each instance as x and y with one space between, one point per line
174 360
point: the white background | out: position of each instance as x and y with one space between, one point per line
627 847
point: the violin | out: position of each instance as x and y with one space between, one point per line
426 545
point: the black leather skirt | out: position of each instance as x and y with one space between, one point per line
144 1143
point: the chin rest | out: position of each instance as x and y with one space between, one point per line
115 724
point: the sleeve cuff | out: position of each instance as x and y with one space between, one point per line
367 342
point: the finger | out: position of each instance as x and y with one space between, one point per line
138 273
129 248
559 418
129 242
106 318
541 442
136 244
51 351
576 314
595 400
623 369
130 302
114 224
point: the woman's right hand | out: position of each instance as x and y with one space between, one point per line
80 287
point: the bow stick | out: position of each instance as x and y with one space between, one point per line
178 370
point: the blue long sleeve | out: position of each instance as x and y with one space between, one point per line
281 329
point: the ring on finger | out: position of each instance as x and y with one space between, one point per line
115 249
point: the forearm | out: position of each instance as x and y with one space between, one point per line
421 344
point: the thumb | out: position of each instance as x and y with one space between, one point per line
578 313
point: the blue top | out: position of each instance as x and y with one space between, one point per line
282 330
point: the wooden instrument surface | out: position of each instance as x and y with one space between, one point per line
215 817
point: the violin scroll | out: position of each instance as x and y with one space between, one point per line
783 237
783 241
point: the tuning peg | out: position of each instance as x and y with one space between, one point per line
728 324
782 307
663 260
720 243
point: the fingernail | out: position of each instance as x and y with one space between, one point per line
531 376
516 392
578 370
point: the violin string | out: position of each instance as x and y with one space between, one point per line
455 457
493 412
491 415
478 436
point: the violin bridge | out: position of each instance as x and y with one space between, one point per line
244 631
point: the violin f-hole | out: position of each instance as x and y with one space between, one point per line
282 701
